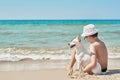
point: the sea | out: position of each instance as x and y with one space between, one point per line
48 39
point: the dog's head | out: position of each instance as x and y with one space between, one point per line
75 42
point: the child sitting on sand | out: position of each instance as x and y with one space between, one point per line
98 50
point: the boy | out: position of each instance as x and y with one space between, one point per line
98 50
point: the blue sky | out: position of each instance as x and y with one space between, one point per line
59 9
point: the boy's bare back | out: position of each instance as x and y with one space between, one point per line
101 53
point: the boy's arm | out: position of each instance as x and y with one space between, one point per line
91 65
93 60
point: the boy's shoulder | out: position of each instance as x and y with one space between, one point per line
94 44
97 43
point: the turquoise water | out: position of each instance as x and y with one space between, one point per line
33 37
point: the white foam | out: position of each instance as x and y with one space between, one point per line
13 54
114 55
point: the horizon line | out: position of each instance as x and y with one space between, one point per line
58 19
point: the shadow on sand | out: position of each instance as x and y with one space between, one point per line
113 71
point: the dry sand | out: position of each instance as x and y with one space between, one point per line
61 74
47 74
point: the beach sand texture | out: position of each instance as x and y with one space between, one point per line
55 74
61 74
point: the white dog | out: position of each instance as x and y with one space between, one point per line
82 56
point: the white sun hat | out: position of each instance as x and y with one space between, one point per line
89 30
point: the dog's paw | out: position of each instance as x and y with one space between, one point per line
79 74
70 72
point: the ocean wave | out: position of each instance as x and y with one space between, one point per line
14 54
18 54
114 55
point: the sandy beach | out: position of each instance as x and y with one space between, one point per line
38 50
47 74
54 74
58 73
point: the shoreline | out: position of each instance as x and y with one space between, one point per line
49 71
29 64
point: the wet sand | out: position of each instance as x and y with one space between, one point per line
53 72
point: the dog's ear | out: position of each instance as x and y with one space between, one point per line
79 37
